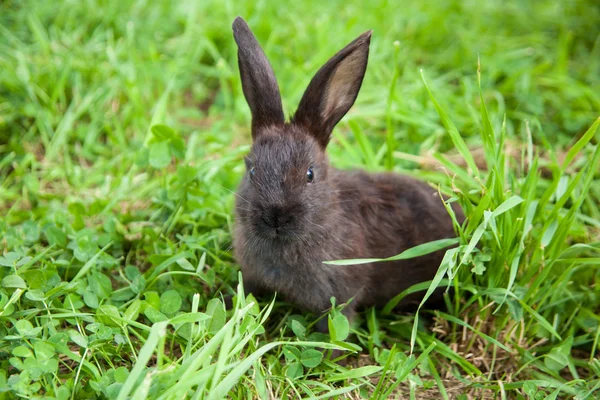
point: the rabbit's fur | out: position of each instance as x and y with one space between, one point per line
287 224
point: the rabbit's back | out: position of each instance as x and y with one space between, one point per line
393 213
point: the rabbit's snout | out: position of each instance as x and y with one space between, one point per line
276 217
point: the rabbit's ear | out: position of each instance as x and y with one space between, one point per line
258 80
333 89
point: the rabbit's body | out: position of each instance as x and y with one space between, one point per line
294 211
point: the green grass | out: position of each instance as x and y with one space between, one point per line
122 134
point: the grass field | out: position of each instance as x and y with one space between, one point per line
122 133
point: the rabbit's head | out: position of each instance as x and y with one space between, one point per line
287 191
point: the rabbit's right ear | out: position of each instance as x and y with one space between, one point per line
258 80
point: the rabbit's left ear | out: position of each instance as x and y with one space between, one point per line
333 90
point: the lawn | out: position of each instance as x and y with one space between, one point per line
123 129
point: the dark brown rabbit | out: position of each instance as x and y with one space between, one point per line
294 211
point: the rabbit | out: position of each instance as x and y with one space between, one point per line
293 210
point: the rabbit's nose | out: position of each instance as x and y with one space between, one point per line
275 218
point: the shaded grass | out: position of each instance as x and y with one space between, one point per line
116 237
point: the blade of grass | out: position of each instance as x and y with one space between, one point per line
413 252
458 141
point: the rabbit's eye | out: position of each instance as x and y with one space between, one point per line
310 175
251 172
